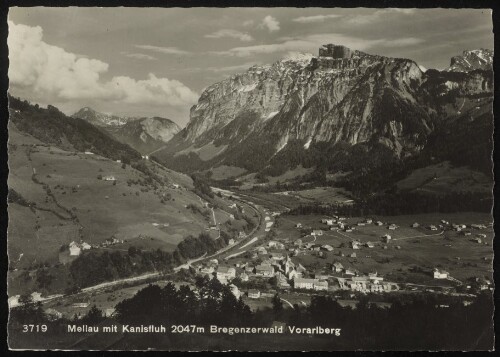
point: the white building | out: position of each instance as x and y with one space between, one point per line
74 249
440 274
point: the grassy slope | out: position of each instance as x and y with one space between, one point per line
123 213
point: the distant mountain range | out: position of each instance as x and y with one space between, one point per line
143 134
342 109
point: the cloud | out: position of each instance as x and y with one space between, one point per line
270 23
313 42
248 23
378 15
315 18
140 56
165 50
231 34
51 74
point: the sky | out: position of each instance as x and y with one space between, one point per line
156 61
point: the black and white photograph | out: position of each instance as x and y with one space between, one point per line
250 179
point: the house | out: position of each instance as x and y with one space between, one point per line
330 222
282 283
466 233
355 244
320 285
370 245
415 225
368 221
444 222
349 272
392 227
386 238
231 241
109 178
327 247
292 274
74 249
440 274
244 276
253 294
378 223
481 235
261 250
298 225
208 270
433 227
477 240
277 256
337 267
353 255
301 283
360 224
264 270
224 272
317 232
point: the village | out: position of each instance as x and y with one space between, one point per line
276 263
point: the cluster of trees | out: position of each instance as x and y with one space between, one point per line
93 267
399 203
201 187
411 322
211 303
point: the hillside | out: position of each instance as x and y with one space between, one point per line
59 194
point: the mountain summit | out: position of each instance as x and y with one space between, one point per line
471 60
143 134
340 98
99 119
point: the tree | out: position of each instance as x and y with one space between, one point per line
43 278
277 305
94 316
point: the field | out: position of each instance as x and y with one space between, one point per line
409 247
444 178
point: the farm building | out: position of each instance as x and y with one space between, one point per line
337 267
440 274
317 232
253 294
74 249
415 225
265 270
109 178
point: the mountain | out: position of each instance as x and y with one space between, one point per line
472 60
143 134
343 109
51 126
146 134
100 119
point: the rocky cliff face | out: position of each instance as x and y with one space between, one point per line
100 119
147 134
471 60
341 96
143 134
